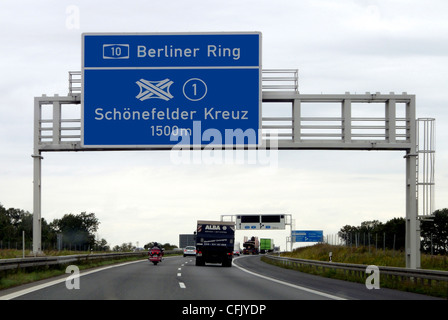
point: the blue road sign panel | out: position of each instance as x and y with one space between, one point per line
307 235
162 90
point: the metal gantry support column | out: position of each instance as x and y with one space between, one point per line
412 222
37 226
37 178
412 242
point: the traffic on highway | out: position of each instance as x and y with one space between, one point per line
179 278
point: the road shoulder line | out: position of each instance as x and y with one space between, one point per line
323 294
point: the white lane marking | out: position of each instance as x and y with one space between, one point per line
181 284
323 294
54 282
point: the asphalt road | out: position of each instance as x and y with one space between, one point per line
177 278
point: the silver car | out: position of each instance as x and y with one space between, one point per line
189 251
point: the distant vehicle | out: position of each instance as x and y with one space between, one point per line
155 255
215 242
236 249
190 251
251 246
266 245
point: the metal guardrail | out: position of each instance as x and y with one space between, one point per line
21 263
416 275
280 79
74 82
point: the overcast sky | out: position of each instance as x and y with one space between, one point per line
141 196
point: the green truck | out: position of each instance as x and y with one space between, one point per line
266 245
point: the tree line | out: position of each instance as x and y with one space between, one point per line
77 232
392 234
71 232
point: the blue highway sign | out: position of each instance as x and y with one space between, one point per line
161 90
307 235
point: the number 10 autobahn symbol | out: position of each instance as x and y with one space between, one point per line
134 83
115 51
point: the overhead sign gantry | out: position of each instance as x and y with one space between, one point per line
261 221
121 81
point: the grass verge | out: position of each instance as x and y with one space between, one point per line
367 256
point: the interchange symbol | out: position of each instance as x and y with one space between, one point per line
154 89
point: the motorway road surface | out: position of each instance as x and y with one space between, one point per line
177 278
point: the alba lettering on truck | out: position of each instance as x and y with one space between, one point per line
212 227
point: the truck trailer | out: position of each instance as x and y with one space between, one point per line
215 242
251 246
266 245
